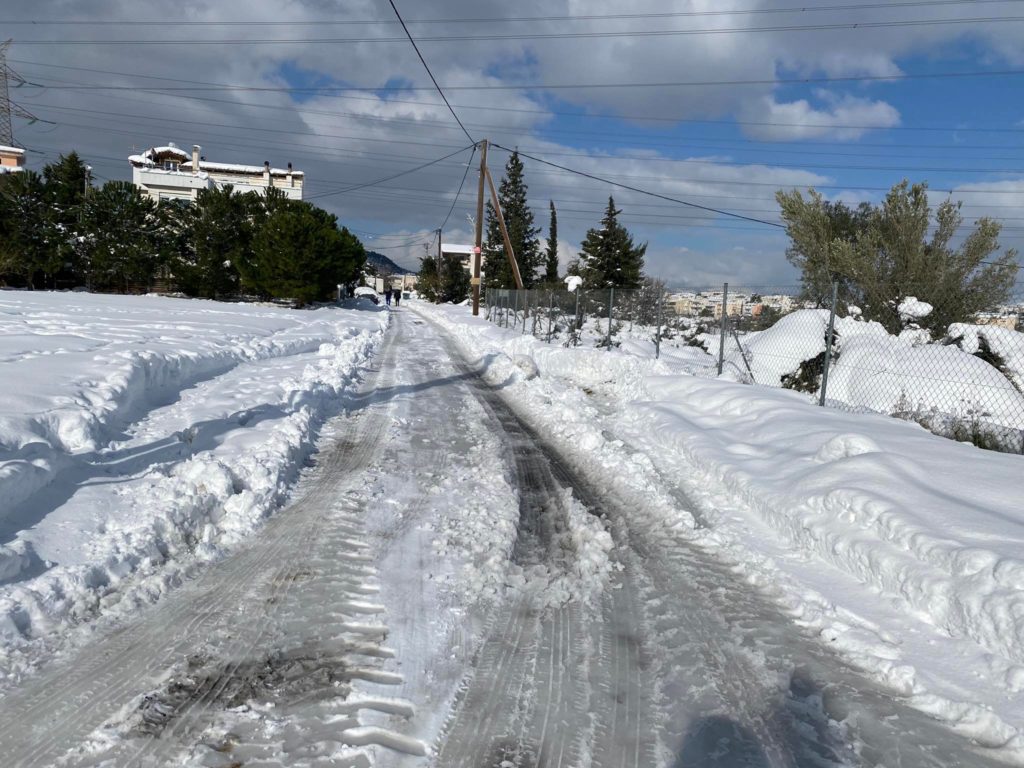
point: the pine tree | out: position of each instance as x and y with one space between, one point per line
428 282
26 227
221 234
608 257
521 232
302 255
122 229
66 181
551 255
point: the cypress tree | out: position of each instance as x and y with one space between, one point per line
608 256
551 264
521 232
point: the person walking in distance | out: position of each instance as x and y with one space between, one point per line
398 296
387 296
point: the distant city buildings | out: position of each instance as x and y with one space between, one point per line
170 173
711 303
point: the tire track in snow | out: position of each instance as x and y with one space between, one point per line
494 723
59 709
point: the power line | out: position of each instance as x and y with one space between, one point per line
512 19
328 89
494 108
609 157
462 183
388 178
643 191
612 137
835 26
427 67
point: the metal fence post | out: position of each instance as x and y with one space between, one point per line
828 343
611 303
576 319
657 333
515 310
551 312
725 324
526 309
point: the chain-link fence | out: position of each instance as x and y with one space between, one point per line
963 380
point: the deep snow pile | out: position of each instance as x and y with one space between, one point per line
902 549
890 374
973 378
141 434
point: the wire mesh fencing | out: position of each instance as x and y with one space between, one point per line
963 380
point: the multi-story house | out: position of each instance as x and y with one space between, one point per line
169 173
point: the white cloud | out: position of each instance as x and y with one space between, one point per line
841 117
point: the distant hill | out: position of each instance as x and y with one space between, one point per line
382 263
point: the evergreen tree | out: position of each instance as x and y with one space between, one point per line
221 233
455 285
451 285
26 228
66 182
522 234
608 256
301 254
428 282
121 245
551 255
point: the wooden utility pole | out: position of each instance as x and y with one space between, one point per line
478 242
475 280
504 233
439 256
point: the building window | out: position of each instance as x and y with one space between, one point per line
170 165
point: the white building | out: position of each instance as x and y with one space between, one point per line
169 173
12 159
465 254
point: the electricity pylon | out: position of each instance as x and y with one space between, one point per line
8 108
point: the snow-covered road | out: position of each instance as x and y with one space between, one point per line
445 588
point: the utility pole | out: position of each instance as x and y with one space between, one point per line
475 280
504 233
439 255
478 240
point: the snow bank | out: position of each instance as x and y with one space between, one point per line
889 374
902 549
142 435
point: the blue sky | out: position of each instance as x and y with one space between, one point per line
931 130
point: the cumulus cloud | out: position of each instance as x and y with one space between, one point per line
343 139
843 117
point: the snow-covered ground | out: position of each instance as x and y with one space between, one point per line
970 382
899 548
141 436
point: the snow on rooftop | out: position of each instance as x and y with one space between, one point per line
12 150
456 248
170 149
237 168
146 158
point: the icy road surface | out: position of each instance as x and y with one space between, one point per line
443 589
